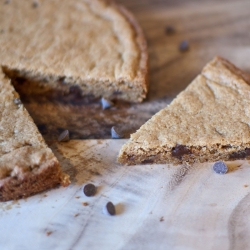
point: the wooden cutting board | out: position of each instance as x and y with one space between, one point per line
158 206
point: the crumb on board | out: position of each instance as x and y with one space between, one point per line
77 197
75 215
245 185
85 204
162 218
48 233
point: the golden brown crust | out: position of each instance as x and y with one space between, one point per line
142 75
31 183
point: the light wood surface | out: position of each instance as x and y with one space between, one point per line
158 206
211 27
199 209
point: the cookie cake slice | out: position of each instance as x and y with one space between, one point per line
208 121
27 165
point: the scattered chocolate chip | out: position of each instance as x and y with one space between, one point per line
106 103
115 134
64 136
17 101
35 4
220 167
179 150
169 30
240 154
109 209
184 46
89 190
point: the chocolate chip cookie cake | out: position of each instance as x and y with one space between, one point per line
96 45
208 121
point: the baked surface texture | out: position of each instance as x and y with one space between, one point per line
208 121
27 165
97 45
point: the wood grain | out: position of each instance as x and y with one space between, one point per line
211 27
158 206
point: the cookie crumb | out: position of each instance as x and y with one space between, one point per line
245 185
75 215
48 233
85 204
77 197
162 218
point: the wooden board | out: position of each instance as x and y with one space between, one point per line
158 206
211 27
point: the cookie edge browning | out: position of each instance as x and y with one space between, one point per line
142 75
48 176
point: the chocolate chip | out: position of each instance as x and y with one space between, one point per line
169 30
35 4
240 154
89 190
184 46
117 92
147 161
75 89
115 134
64 136
179 150
61 80
220 167
106 103
17 101
109 209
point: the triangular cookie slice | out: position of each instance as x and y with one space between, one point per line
208 121
27 165
94 44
